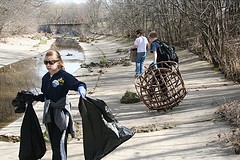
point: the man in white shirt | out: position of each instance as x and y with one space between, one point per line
141 44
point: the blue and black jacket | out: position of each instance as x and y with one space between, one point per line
57 86
155 47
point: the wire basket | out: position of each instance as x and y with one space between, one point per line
162 88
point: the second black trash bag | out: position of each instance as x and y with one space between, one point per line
101 131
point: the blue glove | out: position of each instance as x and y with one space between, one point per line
154 66
27 102
130 49
82 91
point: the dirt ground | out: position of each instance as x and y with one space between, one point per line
189 131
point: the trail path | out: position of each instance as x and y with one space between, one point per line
189 130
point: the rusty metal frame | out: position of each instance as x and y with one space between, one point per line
162 88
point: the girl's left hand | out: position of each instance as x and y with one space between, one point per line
82 91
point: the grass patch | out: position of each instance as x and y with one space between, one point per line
215 69
36 45
37 37
43 42
45 136
130 97
104 60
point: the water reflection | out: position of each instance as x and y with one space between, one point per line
27 75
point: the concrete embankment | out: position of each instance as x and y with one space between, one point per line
20 47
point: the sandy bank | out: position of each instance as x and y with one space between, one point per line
21 47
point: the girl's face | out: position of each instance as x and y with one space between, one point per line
52 64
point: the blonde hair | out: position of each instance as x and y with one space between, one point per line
58 56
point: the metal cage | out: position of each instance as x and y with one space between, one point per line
162 88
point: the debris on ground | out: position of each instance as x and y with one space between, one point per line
69 54
7 138
120 50
107 63
230 112
153 127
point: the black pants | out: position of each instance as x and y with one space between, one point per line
58 140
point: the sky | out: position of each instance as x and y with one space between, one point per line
69 1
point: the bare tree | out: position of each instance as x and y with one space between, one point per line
18 16
210 28
206 27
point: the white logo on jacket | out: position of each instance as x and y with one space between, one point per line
55 83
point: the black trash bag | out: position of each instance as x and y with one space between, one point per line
101 131
19 102
32 144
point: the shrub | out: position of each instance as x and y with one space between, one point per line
130 97
104 60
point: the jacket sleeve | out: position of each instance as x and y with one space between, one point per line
153 47
39 97
73 84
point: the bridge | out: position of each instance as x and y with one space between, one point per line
64 27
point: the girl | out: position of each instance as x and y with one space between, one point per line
57 114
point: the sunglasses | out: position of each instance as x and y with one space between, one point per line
50 62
